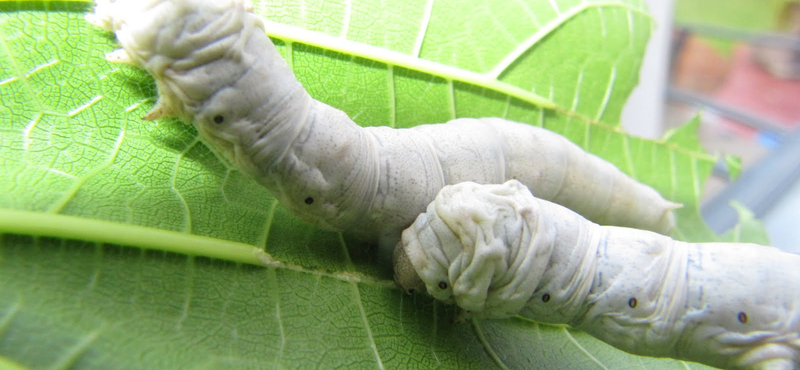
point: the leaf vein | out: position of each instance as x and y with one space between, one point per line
487 346
9 315
607 96
78 183
582 349
423 28
373 346
392 98
187 227
268 225
187 303
273 281
348 10
547 29
75 353
295 34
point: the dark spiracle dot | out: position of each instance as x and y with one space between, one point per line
632 302
411 291
442 285
219 119
546 297
309 200
742 317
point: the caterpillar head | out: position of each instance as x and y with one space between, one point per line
215 67
171 39
419 260
197 52
483 247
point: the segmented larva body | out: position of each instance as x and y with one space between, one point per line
215 67
497 251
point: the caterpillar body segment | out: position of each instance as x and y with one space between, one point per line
216 68
553 167
497 251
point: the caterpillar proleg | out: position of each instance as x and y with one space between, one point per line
216 68
497 251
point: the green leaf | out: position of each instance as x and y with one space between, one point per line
686 135
734 166
130 245
748 230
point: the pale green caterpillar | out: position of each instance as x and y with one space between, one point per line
497 251
215 67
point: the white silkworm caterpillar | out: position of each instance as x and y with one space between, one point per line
215 67
497 251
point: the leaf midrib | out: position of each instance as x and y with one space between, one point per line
292 34
108 232
489 80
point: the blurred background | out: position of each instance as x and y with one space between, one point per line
737 62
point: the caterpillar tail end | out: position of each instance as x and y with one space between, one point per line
667 223
404 273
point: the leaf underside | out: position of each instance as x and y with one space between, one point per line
75 154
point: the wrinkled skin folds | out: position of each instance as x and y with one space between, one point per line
216 68
497 251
